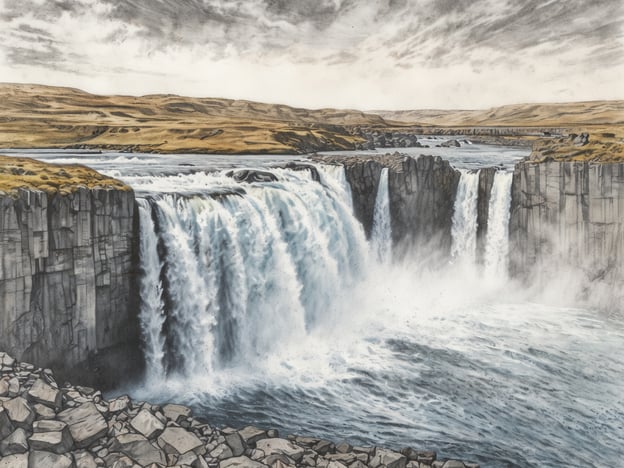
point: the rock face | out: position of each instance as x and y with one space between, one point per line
568 215
86 431
422 195
66 273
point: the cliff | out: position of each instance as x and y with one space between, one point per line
569 217
66 272
422 195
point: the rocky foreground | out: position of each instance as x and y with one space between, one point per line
48 426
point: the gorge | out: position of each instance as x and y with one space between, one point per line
386 292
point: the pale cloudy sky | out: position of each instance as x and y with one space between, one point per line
391 54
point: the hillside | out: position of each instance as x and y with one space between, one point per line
518 115
34 116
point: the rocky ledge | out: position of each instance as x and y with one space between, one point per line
45 425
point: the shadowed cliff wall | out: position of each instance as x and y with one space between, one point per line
66 281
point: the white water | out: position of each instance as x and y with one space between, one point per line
381 235
278 316
464 229
246 275
497 239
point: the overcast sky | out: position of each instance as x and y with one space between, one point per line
376 54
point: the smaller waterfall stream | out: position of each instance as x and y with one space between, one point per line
381 236
464 228
497 239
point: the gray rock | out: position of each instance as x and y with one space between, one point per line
48 426
14 387
147 424
6 426
453 464
4 387
40 459
236 443
43 412
280 446
176 413
86 424
84 459
139 449
15 443
119 404
176 440
222 451
389 459
344 447
57 442
14 461
42 392
241 462
251 435
19 412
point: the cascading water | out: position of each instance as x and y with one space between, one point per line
497 238
262 304
245 272
381 235
464 228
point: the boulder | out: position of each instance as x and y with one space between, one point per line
19 412
86 424
241 462
14 444
176 413
280 446
139 449
6 426
178 441
388 459
42 392
252 175
222 451
40 459
84 459
147 424
251 435
14 461
236 444
56 442
119 404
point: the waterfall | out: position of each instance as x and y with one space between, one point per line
497 239
381 236
152 307
244 273
464 227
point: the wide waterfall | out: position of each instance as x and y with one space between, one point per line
263 303
241 273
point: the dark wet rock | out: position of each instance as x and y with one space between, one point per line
251 175
450 144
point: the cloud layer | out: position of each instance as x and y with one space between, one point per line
344 53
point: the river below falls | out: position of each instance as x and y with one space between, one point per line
377 351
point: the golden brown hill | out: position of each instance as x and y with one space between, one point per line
518 115
34 116
16 173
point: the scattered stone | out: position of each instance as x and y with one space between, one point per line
251 435
388 459
147 424
14 444
6 426
45 394
281 446
178 441
241 462
42 459
139 449
14 461
19 412
57 442
86 424
176 412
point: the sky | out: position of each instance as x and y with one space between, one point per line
376 54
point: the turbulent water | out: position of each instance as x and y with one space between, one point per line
279 313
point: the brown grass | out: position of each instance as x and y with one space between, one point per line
26 173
